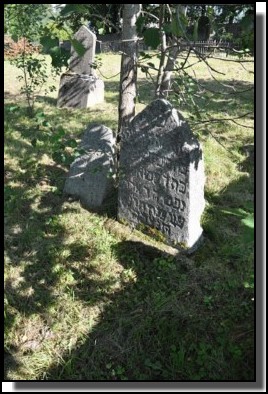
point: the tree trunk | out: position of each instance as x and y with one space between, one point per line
164 88
128 77
166 77
158 92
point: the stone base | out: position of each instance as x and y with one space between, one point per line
80 91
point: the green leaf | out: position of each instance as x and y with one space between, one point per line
72 8
34 142
146 55
54 138
144 69
72 143
235 211
39 117
57 136
151 64
152 37
58 157
48 42
248 221
78 47
140 22
247 23
167 27
15 37
76 154
59 57
13 108
248 235
175 27
61 131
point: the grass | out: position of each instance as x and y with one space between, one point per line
87 299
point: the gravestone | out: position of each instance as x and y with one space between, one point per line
161 183
80 87
82 65
90 176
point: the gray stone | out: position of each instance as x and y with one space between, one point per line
80 87
90 176
80 91
78 64
161 182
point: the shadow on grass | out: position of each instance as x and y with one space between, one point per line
34 237
47 100
172 319
34 240
178 320
220 99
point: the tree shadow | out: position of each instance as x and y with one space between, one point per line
34 243
181 318
47 100
156 330
11 96
172 319
34 240
177 318
235 95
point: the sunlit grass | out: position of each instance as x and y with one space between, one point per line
88 299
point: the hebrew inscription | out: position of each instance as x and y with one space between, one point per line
162 174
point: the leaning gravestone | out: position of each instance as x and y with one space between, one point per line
161 183
90 176
80 87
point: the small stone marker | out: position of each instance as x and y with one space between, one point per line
161 182
90 176
79 87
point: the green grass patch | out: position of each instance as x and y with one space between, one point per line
82 302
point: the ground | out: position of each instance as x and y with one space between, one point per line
86 299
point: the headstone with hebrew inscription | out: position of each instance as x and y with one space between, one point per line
80 87
161 182
91 175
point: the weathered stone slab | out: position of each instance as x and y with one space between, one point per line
78 64
161 182
90 176
80 91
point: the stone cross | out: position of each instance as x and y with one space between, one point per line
81 65
161 183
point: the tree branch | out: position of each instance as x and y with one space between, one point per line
223 119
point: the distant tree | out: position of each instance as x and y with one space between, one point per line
203 27
26 20
241 14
